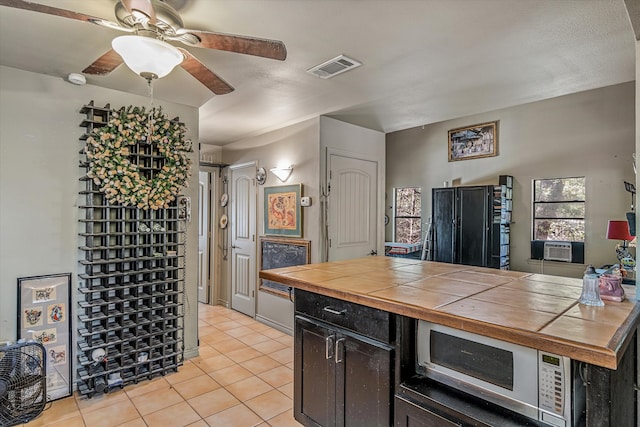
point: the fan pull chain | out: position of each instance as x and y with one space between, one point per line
150 133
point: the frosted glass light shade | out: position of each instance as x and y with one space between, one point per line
147 55
282 173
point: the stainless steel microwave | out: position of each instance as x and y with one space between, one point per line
534 383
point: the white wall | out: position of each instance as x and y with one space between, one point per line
304 145
587 134
39 155
299 145
363 143
210 153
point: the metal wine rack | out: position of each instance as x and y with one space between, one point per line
131 294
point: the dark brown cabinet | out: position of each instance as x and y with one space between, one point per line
342 378
471 224
462 225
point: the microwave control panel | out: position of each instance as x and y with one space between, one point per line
552 379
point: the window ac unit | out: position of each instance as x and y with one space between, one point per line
557 251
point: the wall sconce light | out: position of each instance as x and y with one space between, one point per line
282 172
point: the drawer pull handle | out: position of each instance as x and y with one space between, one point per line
328 347
338 351
334 311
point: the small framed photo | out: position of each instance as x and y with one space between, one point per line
282 214
473 142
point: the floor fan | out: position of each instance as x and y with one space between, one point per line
22 382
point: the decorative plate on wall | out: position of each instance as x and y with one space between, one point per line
223 221
261 176
224 200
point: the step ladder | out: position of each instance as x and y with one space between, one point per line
426 245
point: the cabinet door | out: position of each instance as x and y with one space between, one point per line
472 226
363 382
314 373
443 215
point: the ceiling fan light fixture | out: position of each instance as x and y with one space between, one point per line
147 56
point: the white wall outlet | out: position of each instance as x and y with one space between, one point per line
305 201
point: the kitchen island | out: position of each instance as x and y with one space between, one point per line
532 310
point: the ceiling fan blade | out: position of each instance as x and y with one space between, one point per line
50 10
265 48
207 77
105 64
143 6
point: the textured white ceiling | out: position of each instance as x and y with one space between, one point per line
424 61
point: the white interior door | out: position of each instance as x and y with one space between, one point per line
242 223
352 205
203 237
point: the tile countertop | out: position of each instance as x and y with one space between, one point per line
534 310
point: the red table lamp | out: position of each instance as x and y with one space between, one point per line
619 230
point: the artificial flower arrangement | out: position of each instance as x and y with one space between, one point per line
110 151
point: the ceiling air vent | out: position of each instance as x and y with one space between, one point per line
334 66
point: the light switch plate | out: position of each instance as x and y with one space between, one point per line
305 201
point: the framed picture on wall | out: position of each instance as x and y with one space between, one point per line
278 252
282 214
473 142
45 316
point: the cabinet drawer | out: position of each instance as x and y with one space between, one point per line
409 414
367 321
420 398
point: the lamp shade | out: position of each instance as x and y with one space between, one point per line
618 230
282 173
146 55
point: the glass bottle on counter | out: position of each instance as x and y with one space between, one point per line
591 288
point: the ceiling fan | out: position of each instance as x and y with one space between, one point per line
151 23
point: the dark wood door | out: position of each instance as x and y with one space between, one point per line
472 223
443 217
314 374
363 382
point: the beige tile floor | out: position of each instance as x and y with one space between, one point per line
243 377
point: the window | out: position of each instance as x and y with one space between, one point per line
408 215
558 209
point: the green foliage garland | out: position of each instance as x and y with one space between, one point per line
120 179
